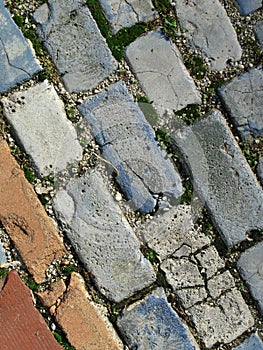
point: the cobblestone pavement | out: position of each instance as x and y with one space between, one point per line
131 174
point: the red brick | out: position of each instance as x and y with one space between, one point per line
82 322
22 326
25 219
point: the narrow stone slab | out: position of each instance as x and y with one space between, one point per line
158 66
72 38
248 6
209 29
153 324
25 219
124 14
251 343
83 323
259 32
222 177
17 61
102 237
250 266
128 143
22 326
40 124
260 170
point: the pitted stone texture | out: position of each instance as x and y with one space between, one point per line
153 324
72 38
102 237
222 323
248 6
209 29
260 170
82 322
191 296
16 56
243 98
222 177
128 142
173 233
158 66
25 219
251 343
210 261
39 121
220 283
3 258
124 14
250 266
259 32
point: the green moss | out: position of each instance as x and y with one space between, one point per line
195 65
61 340
151 256
190 113
29 173
162 6
3 272
186 198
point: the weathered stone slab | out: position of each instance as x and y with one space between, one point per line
158 66
248 6
128 143
3 258
124 14
72 38
243 98
153 324
250 266
220 283
210 261
102 237
260 170
209 29
251 343
259 32
17 61
222 177
40 124
222 323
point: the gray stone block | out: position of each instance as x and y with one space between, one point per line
258 29
210 261
191 296
102 237
124 14
260 170
250 266
220 283
3 258
222 177
251 343
128 142
153 324
158 66
248 6
72 38
209 29
17 61
39 121
243 98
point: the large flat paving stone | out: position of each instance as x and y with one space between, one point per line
222 177
124 14
251 343
243 98
248 6
17 61
153 324
250 266
72 38
128 143
209 29
40 123
158 66
102 237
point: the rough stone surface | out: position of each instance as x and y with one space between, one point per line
222 177
128 143
250 266
260 170
72 38
248 6
81 320
209 29
22 326
16 57
103 238
173 233
39 121
210 261
124 14
25 219
158 65
220 283
191 296
259 32
153 324
50 296
251 343
3 259
243 98
222 323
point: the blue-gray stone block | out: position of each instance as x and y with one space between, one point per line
259 32
154 325
248 6
17 61
128 143
251 343
3 259
260 170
